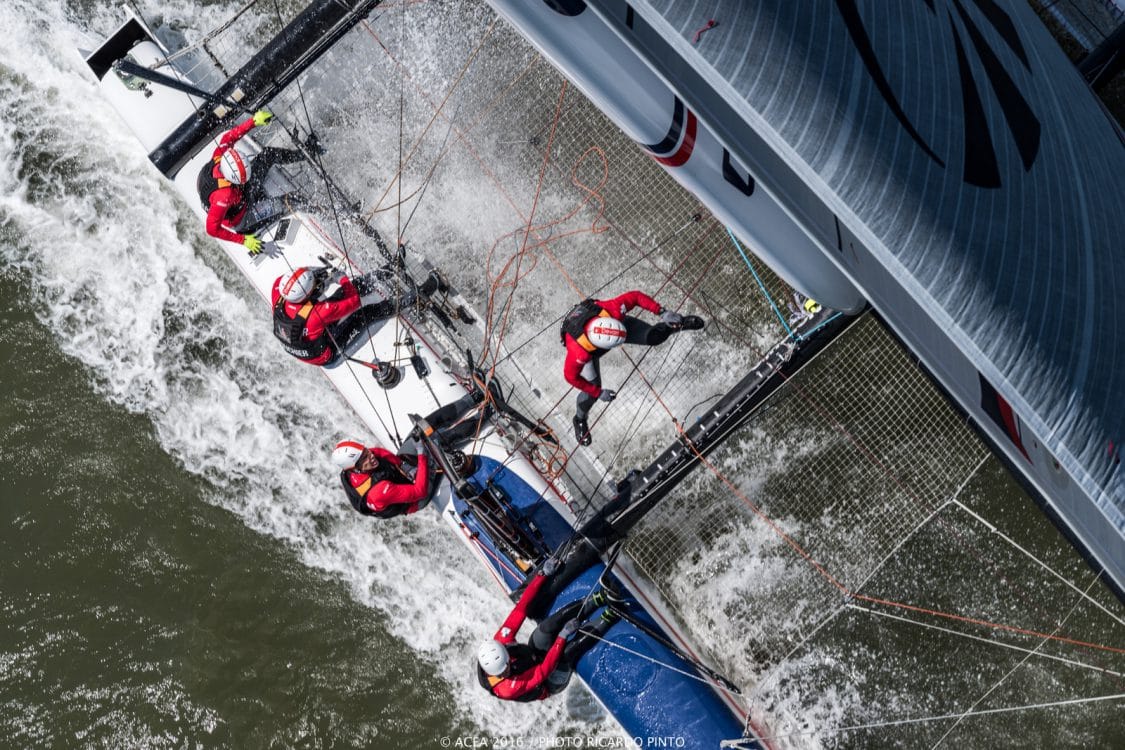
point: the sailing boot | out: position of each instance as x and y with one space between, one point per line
691 323
314 146
435 282
581 431
608 596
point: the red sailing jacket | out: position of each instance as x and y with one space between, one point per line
226 208
318 315
381 495
532 680
577 356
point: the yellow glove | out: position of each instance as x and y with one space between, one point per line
262 117
252 243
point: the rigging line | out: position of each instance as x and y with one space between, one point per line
715 685
1042 564
943 717
421 192
401 122
761 285
982 639
776 669
538 193
320 169
491 105
500 561
987 623
613 279
998 683
902 542
438 111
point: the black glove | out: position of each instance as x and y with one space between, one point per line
550 567
607 395
365 284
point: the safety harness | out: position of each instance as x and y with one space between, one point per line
291 331
574 322
358 495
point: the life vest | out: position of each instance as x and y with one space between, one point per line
521 658
574 322
290 331
207 183
358 495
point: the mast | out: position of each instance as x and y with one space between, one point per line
286 56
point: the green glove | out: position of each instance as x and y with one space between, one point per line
252 243
262 117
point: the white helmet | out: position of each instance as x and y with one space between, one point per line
493 658
605 332
297 286
235 165
347 454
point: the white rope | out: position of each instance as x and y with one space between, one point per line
1003 679
753 697
952 500
1042 564
1071 662
924 719
659 663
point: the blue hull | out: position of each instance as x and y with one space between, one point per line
656 705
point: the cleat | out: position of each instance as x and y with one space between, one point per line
581 431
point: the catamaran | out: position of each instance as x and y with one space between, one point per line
510 512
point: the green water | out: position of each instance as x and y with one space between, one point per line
135 614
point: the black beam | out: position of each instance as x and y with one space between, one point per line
285 57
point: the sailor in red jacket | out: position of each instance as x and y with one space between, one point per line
378 483
315 328
234 180
593 327
518 672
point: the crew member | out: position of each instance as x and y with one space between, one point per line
378 483
536 670
314 328
228 186
593 327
